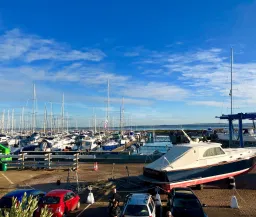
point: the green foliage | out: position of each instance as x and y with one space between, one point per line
26 208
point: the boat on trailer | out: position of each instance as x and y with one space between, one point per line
197 163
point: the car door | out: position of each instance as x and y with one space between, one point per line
73 200
67 202
152 207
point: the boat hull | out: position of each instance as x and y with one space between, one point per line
195 176
109 147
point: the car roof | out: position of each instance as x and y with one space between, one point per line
58 192
138 199
21 192
184 193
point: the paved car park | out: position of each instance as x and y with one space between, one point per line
217 198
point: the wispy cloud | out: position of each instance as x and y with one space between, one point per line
17 45
206 73
156 91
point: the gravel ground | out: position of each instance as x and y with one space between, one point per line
216 196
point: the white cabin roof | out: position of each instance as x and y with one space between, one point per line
182 155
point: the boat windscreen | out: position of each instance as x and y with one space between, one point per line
172 155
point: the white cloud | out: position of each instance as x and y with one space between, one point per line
208 103
16 45
206 75
156 91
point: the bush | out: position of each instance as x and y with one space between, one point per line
26 208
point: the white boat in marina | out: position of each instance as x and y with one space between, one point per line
248 135
196 163
90 144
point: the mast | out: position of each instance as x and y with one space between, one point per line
76 125
3 121
95 124
51 118
22 119
108 107
34 109
8 121
121 116
231 98
67 122
62 113
12 120
44 118
231 82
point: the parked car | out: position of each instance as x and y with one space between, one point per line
59 202
182 202
139 205
6 200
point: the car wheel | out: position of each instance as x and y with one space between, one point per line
64 215
78 205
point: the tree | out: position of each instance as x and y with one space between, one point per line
25 208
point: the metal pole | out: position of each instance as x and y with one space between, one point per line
231 82
12 121
63 112
241 140
51 118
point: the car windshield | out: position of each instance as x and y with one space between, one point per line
136 210
50 200
186 203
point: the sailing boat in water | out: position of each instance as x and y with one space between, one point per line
248 133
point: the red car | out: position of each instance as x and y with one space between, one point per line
60 202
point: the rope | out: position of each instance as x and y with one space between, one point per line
251 208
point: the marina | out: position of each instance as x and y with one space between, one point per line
104 114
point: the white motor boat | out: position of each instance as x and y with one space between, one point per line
90 144
199 162
248 136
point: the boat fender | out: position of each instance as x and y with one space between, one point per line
234 203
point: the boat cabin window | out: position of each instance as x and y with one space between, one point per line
213 152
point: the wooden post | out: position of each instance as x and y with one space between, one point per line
113 167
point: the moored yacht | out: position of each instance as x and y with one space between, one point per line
248 135
110 145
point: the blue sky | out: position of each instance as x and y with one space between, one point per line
168 59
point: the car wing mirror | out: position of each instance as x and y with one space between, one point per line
204 205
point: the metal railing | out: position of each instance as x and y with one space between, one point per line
70 159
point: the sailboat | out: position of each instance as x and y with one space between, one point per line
249 134
196 163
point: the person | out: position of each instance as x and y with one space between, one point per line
114 210
115 196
